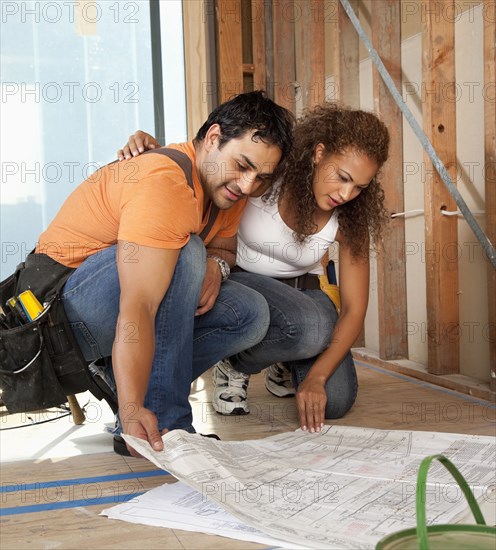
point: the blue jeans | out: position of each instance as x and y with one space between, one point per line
185 345
301 327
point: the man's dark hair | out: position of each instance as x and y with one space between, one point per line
252 111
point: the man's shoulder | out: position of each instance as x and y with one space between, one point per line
160 158
149 166
187 147
176 154
169 152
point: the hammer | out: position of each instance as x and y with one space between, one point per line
77 413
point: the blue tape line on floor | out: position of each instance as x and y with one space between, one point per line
14 487
66 504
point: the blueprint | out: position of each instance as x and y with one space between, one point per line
177 506
344 487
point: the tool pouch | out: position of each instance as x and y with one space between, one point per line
40 361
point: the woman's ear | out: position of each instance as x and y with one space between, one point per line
319 153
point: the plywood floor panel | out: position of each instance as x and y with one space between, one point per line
385 400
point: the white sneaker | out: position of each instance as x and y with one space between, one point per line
278 380
230 388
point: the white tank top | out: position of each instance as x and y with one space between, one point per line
266 245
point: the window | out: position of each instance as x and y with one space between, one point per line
76 82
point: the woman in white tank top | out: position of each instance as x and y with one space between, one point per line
328 192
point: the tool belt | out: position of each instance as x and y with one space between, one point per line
40 360
327 282
308 281
317 282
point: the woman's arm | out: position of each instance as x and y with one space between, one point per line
311 396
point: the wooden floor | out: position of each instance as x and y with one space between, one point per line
64 514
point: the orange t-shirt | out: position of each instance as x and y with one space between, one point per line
145 200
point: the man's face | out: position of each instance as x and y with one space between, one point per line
236 170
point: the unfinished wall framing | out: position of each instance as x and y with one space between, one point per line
433 294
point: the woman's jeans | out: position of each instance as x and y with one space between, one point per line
185 345
301 327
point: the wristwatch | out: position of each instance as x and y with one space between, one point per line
225 270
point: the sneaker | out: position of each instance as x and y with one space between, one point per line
211 436
230 388
278 380
120 446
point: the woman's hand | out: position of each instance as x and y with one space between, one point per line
311 399
137 143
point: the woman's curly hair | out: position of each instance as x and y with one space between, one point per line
337 128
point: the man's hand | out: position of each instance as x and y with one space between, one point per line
311 399
211 287
137 143
141 423
225 248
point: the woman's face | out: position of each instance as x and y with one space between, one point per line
340 177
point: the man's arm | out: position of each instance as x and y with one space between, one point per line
225 248
145 274
222 247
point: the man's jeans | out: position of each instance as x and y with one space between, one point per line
185 345
301 327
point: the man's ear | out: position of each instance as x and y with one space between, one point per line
319 153
212 137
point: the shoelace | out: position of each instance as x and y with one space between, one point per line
281 376
235 382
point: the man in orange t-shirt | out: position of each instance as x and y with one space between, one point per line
147 292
